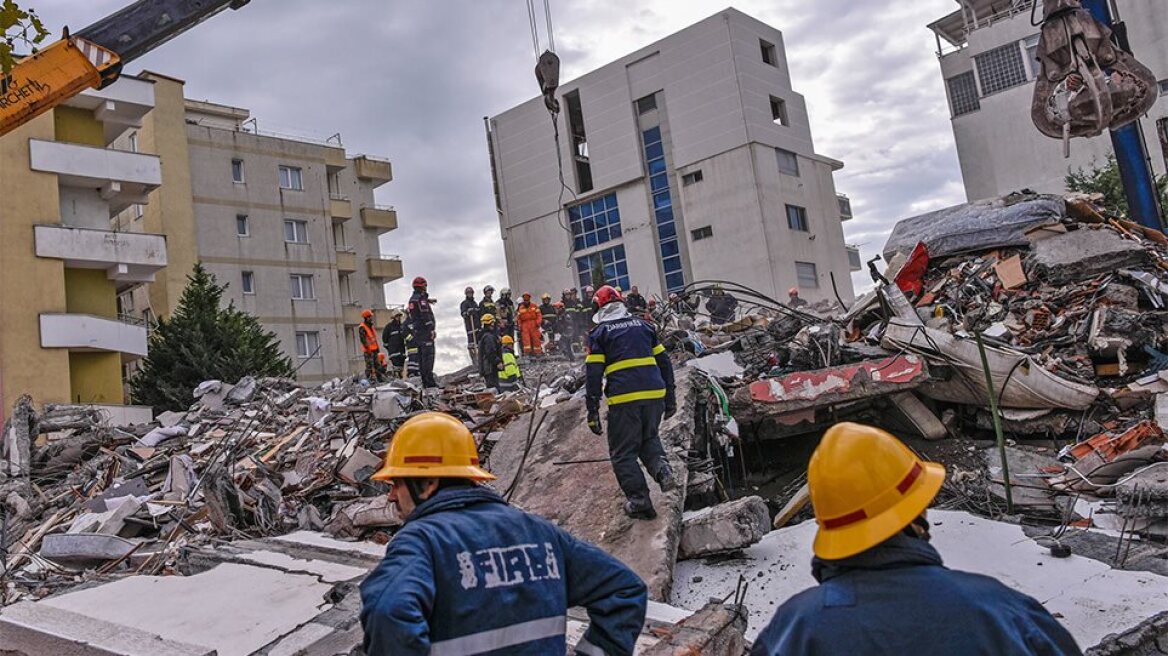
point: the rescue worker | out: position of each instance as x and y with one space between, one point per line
548 311
369 346
393 336
721 306
565 330
793 299
584 313
382 367
490 352
487 305
423 328
469 574
530 322
413 370
471 317
640 393
505 316
510 376
635 302
882 587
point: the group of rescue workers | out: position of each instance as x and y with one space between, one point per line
409 339
469 574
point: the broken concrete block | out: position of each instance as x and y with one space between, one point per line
243 390
1085 253
109 522
715 630
84 549
170 418
389 404
348 519
359 466
919 415
724 528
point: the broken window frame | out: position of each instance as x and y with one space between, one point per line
578 139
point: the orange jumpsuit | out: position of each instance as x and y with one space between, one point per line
530 320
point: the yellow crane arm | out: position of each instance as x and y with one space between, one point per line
44 80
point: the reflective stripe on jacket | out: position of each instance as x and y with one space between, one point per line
624 350
510 367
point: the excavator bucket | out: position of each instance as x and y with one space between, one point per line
39 82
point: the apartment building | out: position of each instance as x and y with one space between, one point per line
689 159
987 52
288 222
62 180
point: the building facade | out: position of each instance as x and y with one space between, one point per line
64 177
988 63
690 159
289 223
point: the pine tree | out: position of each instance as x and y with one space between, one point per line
1107 181
204 341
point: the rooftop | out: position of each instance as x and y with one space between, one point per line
973 15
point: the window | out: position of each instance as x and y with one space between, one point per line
702 233
854 262
290 178
691 178
237 171
788 162
1031 46
138 211
1000 68
133 142
797 218
963 94
778 111
667 239
594 222
845 206
647 104
345 282
307 345
807 275
242 226
302 287
583 166
608 267
339 235
247 282
296 231
1164 87
768 53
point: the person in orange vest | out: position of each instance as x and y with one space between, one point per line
530 321
369 346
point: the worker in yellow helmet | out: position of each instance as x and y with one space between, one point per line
469 574
509 376
882 587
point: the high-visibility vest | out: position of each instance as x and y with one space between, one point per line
510 367
369 341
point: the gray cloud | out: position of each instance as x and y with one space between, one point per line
412 79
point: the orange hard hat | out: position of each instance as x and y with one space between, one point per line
793 291
367 314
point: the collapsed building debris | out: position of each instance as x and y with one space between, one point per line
724 528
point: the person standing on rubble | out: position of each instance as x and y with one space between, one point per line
640 392
424 330
548 311
505 317
488 305
490 352
882 587
393 336
635 302
793 300
565 328
471 317
721 306
530 321
510 376
369 346
469 574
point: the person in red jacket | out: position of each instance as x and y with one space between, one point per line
530 321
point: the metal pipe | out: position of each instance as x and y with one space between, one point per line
993 394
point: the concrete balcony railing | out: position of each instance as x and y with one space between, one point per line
122 178
127 257
126 415
380 218
382 315
346 261
373 168
387 268
334 159
86 332
341 208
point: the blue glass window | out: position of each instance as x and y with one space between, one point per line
611 262
594 222
659 186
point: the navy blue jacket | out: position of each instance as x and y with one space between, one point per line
897 598
421 319
625 350
469 574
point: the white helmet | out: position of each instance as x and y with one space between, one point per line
505 292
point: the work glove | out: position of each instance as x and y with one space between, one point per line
594 422
670 408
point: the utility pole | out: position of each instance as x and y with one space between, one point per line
1128 142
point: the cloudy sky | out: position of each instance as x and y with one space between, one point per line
412 79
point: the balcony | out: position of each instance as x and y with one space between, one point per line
341 208
118 107
127 257
387 268
374 169
854 261
845 207
334 159
86 332
351 313
380 218
381 315
346 261
122 178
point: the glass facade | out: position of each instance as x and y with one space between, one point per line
609 263
663 209
594 222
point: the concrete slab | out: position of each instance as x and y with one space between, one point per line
1085 253
326 571
314 539
1090 598
32 629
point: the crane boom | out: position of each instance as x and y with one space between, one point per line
95 56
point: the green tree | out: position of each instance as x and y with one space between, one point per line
598 278
204 341
1106 180
18 27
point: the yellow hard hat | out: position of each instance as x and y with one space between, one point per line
488 319
508 340
866 486
432 445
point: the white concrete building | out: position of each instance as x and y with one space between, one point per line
689 159
987 54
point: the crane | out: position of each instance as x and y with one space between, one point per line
93 58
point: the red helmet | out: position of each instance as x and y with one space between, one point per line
558 306
794 291
607 294
366 314
419 282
